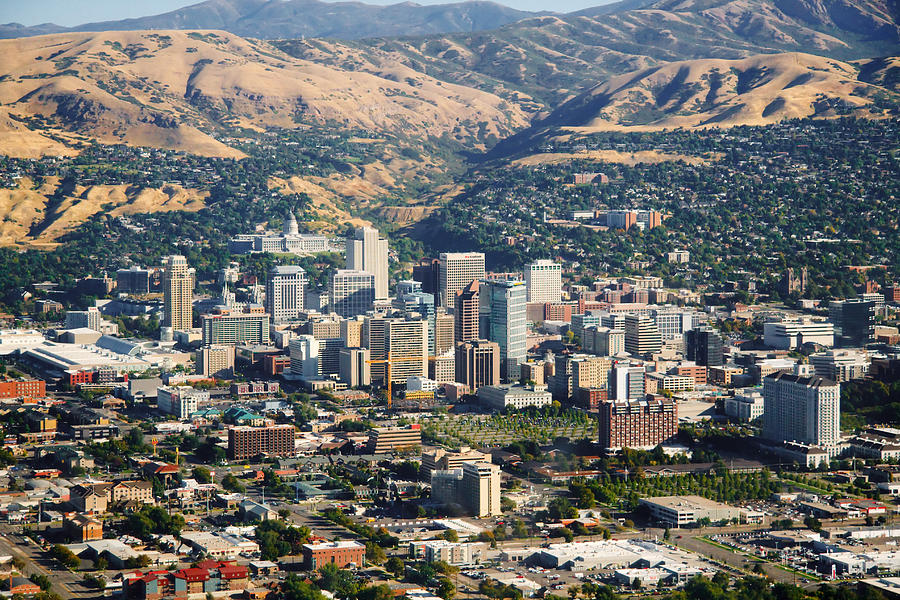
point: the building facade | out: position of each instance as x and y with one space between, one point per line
352 292
456 270
642 337
503 320
639 424
477 363
285 291
367 251
543 279
248 442
225 327
802 409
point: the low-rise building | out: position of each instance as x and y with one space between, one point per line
500 397
681 511
390 439
339 553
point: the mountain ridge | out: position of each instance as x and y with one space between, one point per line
553 57
268 19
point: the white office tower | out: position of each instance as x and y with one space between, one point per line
285 290
305 357
642 337
456 270
352 292
792 332
480 488
178 293
627 382
673 322
802 409
503 315
366 251
355 370
543 278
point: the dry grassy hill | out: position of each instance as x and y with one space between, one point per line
758 90
35 216
180 90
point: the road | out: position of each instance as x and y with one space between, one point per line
65 583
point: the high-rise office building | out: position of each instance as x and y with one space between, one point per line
854 321
330 357
474 487
179 401
674 322
627 382
543 278
285 290
305 357
442 368
638 424
178 292
480 488
456 270
444 338
225 327
401 342
477 363
215 361
133 280
351 332
427 272
642 337
591 372
603 341
467 307
802 409
408 286
352 292
423 304
503 315
390 439
704 346
367 251
355 370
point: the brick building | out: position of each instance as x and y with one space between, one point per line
639 424
248 442
23 388
340 553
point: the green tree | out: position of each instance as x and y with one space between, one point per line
395 566
446 589
233 484
202 475
65 556
375 554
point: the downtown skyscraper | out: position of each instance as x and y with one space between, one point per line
178 292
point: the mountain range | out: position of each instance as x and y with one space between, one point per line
279 19
633 65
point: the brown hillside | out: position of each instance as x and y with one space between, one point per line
176 89
757 90
29 221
